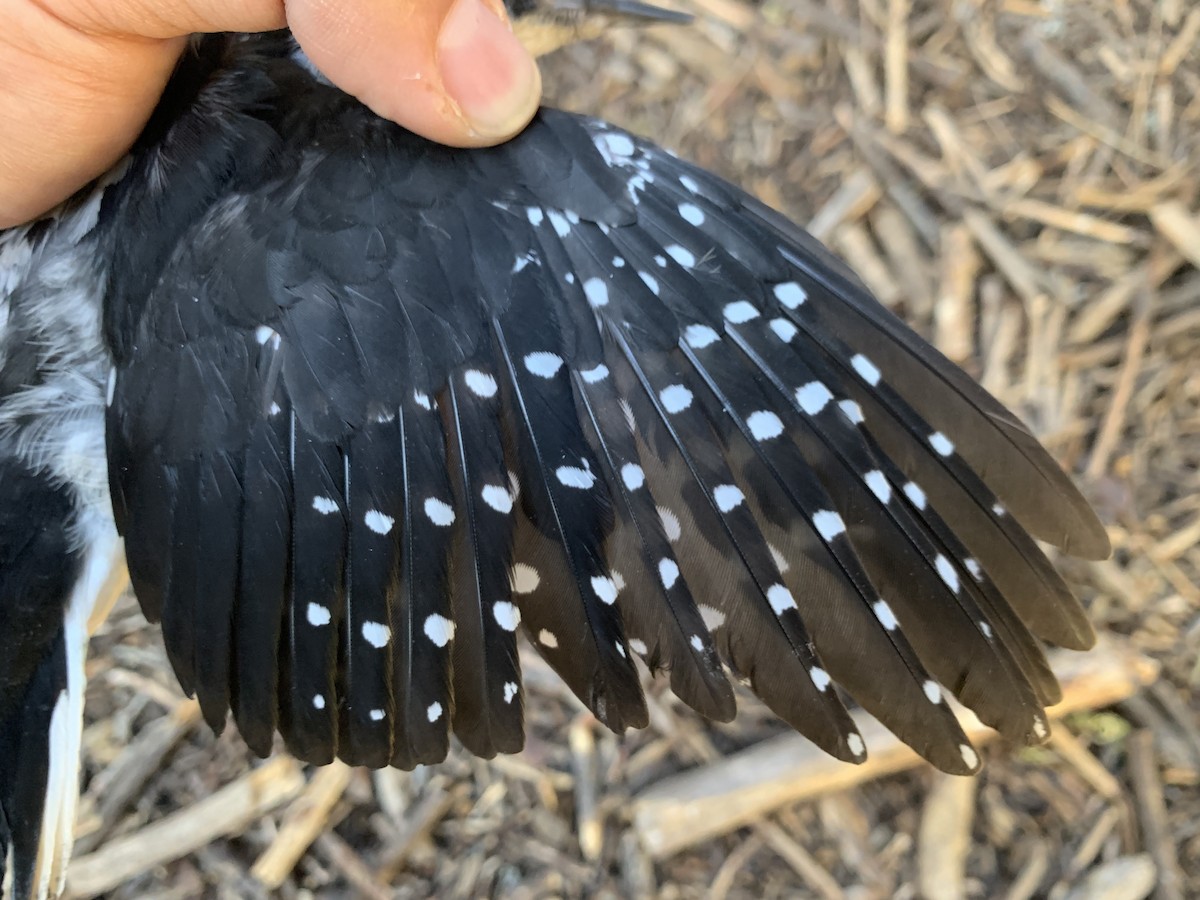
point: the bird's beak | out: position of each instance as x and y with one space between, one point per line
552 24
629 12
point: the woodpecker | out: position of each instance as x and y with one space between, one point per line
356 409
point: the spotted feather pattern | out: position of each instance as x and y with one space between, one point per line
381 407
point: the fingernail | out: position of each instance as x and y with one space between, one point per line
486 70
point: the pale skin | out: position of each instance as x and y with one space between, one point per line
79 78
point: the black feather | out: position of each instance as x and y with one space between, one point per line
264 580
422 619
316 602
374 499
488 704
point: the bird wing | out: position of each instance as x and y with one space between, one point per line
380 405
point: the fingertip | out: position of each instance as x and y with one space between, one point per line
487 73
451 71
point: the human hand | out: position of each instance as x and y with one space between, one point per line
79 78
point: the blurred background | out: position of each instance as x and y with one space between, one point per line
1019 180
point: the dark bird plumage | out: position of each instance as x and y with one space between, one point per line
374 406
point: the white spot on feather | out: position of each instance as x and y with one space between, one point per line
948 573
784 330
691 213
633 476
616 148
688 182
507 616
591 376
780 561
740 312
813 397
670 524
998 510
713 618
820 678
650 281
575 477
324 505
376 634
866 369
697 644
790 294
764 425
543 364
497 497
510 691
879 486
780 598
941 444
700 336
547 638
524 578
605 588
828 524
536 215
433 712
481 384
561 226
668 571
852 411
378 522
596 291
439 512
264 333
916 496
110 388
377 715
639 646
422 400
318 701
974 568
627 412
884 614
682 255
439 629
675 398
317 614
621 649
969 756
854 741
933 691
986 630
727 497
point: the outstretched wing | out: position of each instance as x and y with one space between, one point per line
383 404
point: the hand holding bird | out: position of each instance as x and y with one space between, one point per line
79 79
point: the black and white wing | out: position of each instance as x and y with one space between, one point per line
381 405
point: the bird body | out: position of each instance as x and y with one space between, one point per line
361 408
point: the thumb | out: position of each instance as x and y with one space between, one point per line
451 70
79 78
